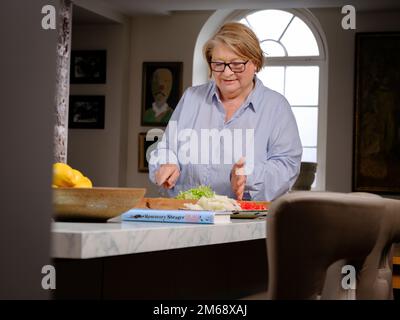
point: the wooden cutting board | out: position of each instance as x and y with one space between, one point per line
174 204
163 203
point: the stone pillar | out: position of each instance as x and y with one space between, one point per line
62 81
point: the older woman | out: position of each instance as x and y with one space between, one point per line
232 133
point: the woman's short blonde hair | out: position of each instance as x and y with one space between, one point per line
240 39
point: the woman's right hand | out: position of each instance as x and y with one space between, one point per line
167 175
238 178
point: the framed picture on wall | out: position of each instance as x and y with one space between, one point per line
88 66
161 91
376 155
145 148
86 112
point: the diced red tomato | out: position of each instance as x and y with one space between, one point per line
248 205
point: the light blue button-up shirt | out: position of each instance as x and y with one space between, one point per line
263 130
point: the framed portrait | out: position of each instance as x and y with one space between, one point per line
86 112
88 66
376 155
145 148
161 91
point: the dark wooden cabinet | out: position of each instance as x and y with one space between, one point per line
224 271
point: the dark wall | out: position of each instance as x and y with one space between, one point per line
27 58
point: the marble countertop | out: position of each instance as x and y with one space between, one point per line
74 240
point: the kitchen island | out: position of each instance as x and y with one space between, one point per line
148 260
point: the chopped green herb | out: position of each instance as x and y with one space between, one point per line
196 193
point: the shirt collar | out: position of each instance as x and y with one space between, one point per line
251 100
213 93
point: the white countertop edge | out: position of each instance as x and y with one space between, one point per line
85 241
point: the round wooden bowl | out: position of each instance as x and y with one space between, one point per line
94 204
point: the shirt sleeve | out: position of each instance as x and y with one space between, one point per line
166 150
277 174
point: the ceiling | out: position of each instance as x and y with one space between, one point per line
82 16
85 10
136 7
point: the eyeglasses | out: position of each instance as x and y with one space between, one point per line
236 67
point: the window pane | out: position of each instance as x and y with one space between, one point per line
307 120
299 84
272 49
309 155
273 78
269 24
302 84
299 40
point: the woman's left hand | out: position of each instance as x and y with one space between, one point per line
238 179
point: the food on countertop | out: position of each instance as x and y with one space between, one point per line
223 203
83 182
196 193
215 203
252 206
65 176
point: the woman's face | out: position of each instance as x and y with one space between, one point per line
229 83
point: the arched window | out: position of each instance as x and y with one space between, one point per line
296 66
294 57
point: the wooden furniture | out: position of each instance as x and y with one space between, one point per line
396 267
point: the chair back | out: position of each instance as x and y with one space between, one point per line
315 240
306 176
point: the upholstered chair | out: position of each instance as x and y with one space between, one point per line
315 239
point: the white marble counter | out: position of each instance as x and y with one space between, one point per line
95 240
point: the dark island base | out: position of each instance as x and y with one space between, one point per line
225 271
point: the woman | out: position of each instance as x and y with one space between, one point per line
233 133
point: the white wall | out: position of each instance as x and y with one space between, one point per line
101 153
157 38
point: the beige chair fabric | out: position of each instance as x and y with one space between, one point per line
312 235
